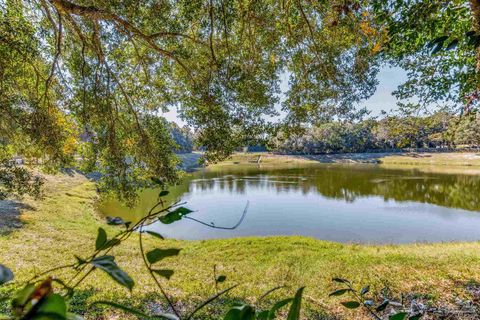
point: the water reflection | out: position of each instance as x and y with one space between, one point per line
366 203
349 183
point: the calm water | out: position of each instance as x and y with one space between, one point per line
346 203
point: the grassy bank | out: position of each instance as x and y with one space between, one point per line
469 159
65 223
452 159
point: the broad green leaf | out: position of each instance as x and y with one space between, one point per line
221 278
52 307
439 39
263 315
294 312
22 296
136 312
101 239
277 306
338 292
158 254
156 235
163 193
382 306
470 33
6 274
437 48
174 215
242 312
164 273
351 304
398 316
452 45
108 264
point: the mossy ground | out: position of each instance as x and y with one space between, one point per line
65 223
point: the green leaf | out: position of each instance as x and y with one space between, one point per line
135 312
398 316
452 45
52 306
470 33
294 312
263 315
164 273
340 280
338 292
241 312
364 290
382 306
158 254
101 239
439 40
108 264
415 317
156 235
351 304
221 279
437 48
277 306
22 296
174 215
6 274
163 193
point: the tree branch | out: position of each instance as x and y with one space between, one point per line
98 14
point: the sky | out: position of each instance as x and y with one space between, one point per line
389 78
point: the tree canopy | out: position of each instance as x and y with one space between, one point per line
90 79
437 43
107 69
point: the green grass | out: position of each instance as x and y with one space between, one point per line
435 159
65 223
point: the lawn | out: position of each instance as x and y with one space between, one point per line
65 223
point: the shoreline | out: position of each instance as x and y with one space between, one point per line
454 159
65 223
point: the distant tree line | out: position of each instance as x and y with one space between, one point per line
183 138
439 130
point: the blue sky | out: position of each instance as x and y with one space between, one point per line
389 78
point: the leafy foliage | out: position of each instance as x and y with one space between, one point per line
15 180
436 42
361 300
38 299
89 80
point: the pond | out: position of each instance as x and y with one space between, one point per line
347 203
